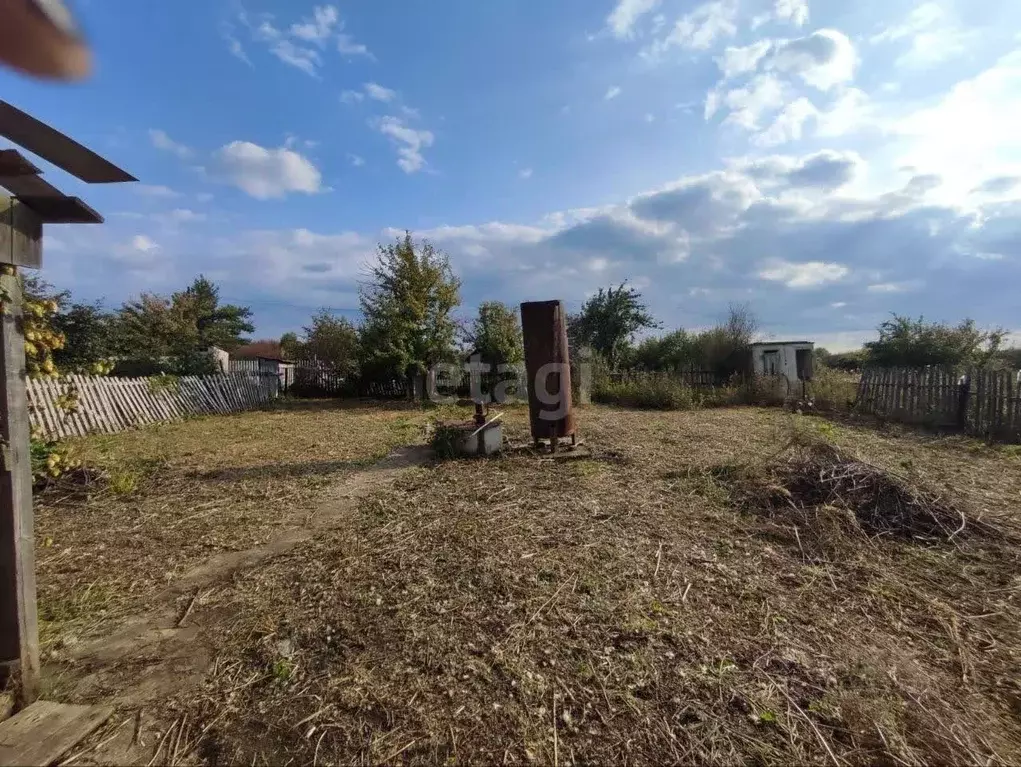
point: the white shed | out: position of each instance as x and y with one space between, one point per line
790 359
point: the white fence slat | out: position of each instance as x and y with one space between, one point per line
108 405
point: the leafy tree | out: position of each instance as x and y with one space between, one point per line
848 361
1009 358
722 349
610 319
89 338
291 346
42 338
216 324
333 341
904 342
496 334
407 304
172 334
668 352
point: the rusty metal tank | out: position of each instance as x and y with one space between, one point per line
548 366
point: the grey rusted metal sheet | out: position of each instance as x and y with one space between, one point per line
547 363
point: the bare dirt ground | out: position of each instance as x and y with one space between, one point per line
634 606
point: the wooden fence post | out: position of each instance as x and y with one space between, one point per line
19 632
963 396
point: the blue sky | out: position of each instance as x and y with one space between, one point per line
825 162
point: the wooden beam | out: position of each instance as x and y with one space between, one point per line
45 731
14 163
53 146
19 630
21 234
61 210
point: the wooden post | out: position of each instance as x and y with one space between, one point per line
963 395
19 631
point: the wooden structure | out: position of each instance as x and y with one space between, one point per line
106 405
548 366
983 403
45 731
33 202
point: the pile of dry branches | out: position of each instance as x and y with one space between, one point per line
809 475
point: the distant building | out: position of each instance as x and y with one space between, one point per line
790 359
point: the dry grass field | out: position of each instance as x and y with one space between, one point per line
692 591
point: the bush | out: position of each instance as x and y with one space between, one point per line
832 390
646 392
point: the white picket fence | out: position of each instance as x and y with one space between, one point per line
108 405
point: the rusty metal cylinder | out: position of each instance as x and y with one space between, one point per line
548 366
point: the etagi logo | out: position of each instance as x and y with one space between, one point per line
508 383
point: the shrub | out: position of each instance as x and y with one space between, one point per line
50 459
647 392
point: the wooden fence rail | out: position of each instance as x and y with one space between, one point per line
984 403
74 406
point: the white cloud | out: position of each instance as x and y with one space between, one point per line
356 160
789 124
738 61
794 11
971 133
409 141
379 93
888 287
266 173
154 190
809 274
301 44
697 30
525 173
307 60
626 14
318 28
162 141
762 95
612 92
932 33
823 59
352 97
143 244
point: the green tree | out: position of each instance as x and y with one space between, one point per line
291 346
610 319
172 334
495 334
408 303
904 342
848 361
333 341
89 338
215 324
672 351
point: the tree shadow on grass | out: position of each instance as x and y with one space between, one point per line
408 455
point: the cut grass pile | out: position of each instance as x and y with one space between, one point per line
626 609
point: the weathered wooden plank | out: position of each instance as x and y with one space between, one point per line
103 391
192 398
88 410
19 631
119 397
223 404
45 731
140 411
209 405
58 416
91 385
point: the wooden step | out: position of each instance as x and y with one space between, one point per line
45 731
